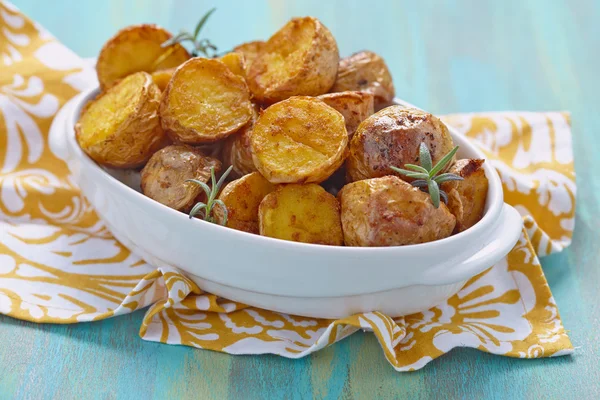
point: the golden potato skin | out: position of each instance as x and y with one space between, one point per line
235 62
242 198
137 48
250 50
466 198
367 72
300 59
301 213
390 212
391 137
354 106
121 127
162 77
299 140
164 176
204 102
237 150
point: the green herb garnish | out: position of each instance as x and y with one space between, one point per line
200 46
206 209
426 175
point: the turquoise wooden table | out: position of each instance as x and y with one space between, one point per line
446 56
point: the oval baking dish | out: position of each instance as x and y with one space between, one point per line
296 278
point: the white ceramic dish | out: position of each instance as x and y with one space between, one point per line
296 278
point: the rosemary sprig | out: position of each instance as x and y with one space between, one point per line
426 174
200 46
206 209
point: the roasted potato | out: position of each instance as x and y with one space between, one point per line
392 137
301 213
121 127
164 176
162 77
466 198
235 62
137 48
242 198
367 72
388 211
204 102
237 151
354 106
250 50
299 140
300 59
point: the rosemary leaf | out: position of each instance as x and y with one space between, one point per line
447 177
443 162
202 22
417 168
434 192
196 209
425 157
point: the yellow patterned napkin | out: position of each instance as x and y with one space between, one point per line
59 264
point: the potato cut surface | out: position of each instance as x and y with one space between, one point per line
121 127
300 59
204 102
164 176
301 213
242 198
250 50
354 106
235 62
137 48
299 140
390 212
162 77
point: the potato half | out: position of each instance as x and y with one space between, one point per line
242 198
299 140
121 127
137 48
300 59
237 151
392 137
164 176
390 212
250 50
204 102
354 106
466 198
367 72
301 213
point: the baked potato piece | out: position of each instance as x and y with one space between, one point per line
121 127
388 211
237 151
391 137
355 107
301 213
137 48
300 59
235 62
250 50
365 71
242 198
162 77
466 198
299 140
164 176
204 102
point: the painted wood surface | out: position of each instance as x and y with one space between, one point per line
446 56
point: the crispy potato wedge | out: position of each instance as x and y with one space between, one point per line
204 102
162 77
121 127
390 212
354 106
466 198
164 176
137 48
242 198
237 150
250 50
300 59
301 213
392 137
299 140
235 62
367 72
